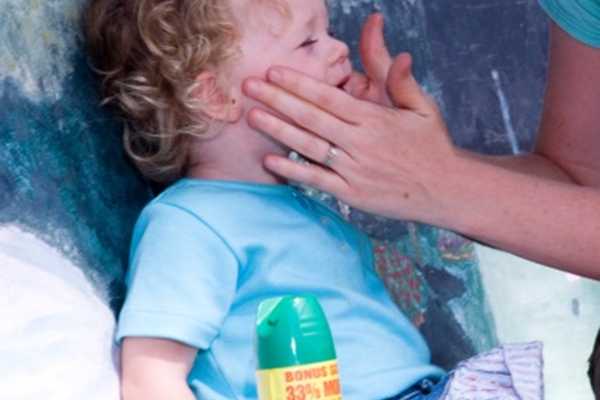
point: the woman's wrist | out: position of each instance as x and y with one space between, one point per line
470 187
446 189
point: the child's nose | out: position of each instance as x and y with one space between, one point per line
339 53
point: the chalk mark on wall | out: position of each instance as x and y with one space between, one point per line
505 110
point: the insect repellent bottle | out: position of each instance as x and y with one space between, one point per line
296 354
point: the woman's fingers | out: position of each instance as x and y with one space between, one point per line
302 113
311 174
357 85
305 143
374 54
329 98
404 90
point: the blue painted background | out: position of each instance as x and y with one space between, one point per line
63 174
456 46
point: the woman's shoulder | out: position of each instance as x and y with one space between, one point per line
579 18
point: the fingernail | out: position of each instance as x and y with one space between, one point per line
275 75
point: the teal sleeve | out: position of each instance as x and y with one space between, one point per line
579 18
182 279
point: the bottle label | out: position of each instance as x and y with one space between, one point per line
300 382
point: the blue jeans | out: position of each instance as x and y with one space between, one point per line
424 390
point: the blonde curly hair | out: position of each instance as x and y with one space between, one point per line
149 54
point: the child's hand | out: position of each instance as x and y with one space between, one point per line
376 60
155 369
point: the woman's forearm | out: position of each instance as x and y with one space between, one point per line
550 221
531 164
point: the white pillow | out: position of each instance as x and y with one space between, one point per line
56 332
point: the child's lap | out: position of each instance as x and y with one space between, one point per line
429 391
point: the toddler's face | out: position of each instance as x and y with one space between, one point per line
299 40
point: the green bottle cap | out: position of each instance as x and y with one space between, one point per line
292 331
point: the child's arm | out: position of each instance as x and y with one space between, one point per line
155 369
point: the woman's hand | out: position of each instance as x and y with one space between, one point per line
382 159
400 162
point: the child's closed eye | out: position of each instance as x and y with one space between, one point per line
308 42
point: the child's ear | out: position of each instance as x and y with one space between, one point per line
216 103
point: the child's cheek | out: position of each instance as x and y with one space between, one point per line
304 64
315 69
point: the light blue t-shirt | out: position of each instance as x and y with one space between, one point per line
579 18
206 253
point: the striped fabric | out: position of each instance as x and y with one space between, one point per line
509 372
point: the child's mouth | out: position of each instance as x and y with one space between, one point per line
342 84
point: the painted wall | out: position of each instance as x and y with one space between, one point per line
62 172
530 301
484 61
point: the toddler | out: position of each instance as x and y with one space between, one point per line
227 234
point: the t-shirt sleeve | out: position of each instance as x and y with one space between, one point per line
579 18
182 278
